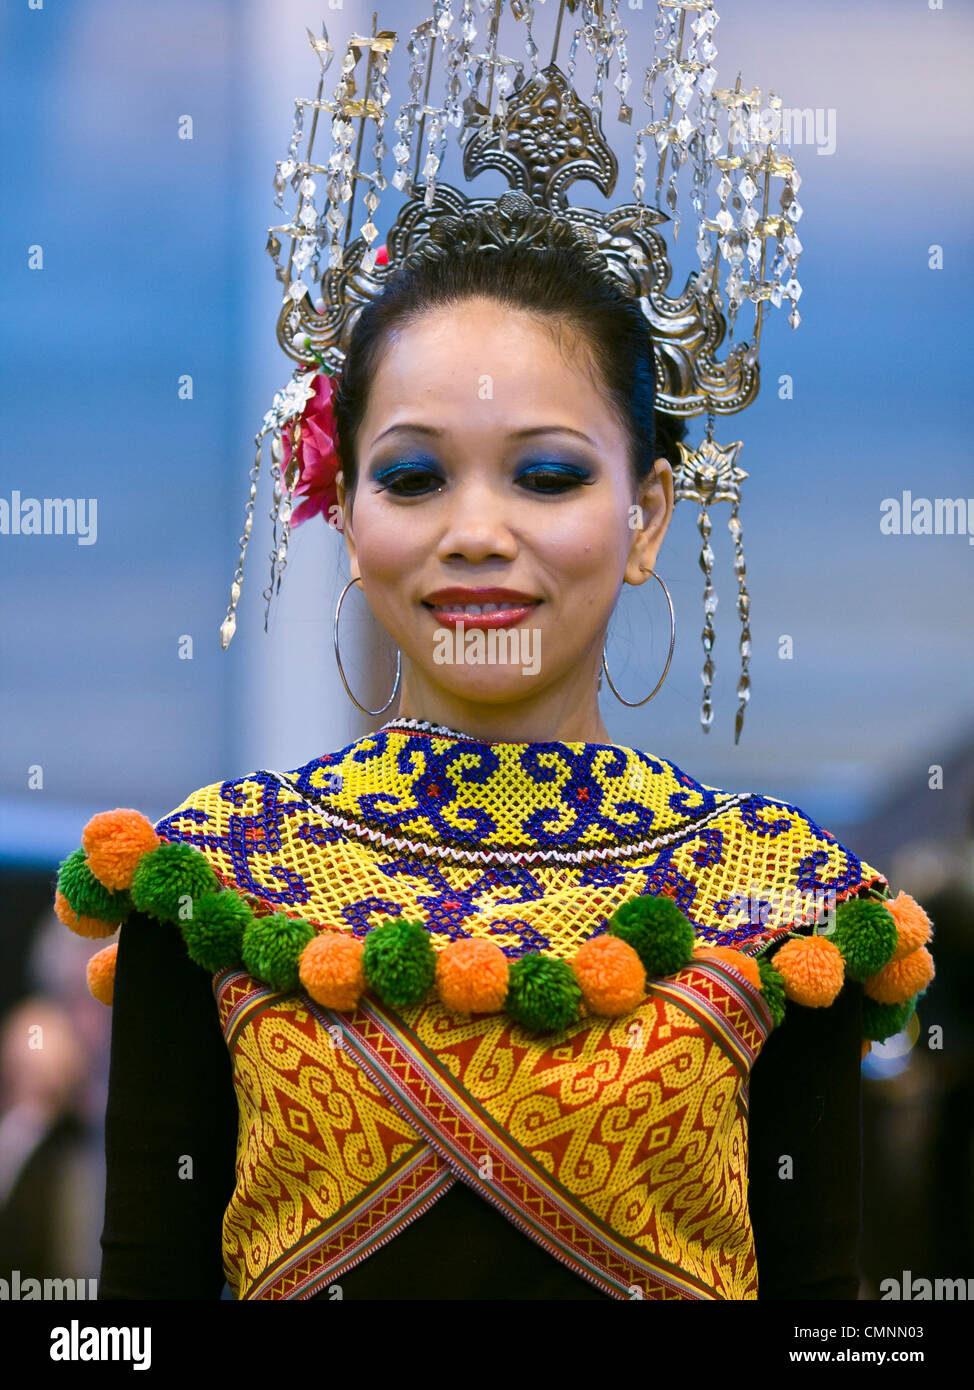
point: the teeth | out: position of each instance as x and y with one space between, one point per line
475 609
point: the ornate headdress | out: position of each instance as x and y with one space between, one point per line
529 122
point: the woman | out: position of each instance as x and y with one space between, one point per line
492 1021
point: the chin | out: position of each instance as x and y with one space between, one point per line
487 686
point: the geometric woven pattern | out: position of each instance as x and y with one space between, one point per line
532 845
322 1158
621 1148
619 1145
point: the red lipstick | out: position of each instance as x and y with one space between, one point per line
451 606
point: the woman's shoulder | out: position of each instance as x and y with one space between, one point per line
129 865
767 878
751 847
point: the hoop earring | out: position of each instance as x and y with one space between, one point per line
356 579
634 703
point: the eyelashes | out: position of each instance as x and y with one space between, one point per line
398 478
554 477
418 479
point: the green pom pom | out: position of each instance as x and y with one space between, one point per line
865 933
271 949
86 895
164 877
214 933
543 994
773 989
657 931
399 962
881 1021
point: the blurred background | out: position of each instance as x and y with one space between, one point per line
153 268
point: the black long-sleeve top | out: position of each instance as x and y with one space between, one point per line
171 1097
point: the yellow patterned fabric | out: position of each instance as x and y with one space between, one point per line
531 845
618 1145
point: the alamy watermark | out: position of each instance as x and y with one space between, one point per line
50 516
794 125
909 1289
77 1343
30 1288
788 906
492 646
907 515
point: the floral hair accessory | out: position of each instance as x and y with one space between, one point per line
309 468
305 462
313 475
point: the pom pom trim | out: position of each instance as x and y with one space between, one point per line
648 937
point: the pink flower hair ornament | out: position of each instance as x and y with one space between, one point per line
309 470
301 422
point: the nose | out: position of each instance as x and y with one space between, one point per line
477 524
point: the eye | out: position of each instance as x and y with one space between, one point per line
550 477
408 479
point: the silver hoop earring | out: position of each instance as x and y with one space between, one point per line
356 579
634 703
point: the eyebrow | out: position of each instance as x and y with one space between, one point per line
515 434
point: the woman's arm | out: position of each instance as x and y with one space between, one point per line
170 1123
805 1104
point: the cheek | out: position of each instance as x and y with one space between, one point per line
585 545
387 550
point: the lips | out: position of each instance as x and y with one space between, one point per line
491 607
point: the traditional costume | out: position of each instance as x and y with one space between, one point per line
525 982
542 969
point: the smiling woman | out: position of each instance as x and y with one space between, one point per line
503 1009
553 965
495 428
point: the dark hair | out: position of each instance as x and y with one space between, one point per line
554 284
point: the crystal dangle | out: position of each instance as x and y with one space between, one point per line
286 407
280 514
744 613
708 474
229 625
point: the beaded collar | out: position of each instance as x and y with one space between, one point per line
500 868
417 787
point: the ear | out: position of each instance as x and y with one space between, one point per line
345 503
654 509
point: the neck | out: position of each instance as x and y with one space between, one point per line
567 716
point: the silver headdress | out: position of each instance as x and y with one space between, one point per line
533 126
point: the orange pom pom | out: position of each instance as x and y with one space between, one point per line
84 926
101 974
472 976
610 974
913 927
114 842
330 968
745 964
899 980
812 969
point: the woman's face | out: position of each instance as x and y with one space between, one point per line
491 471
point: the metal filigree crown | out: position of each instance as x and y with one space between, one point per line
534 128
